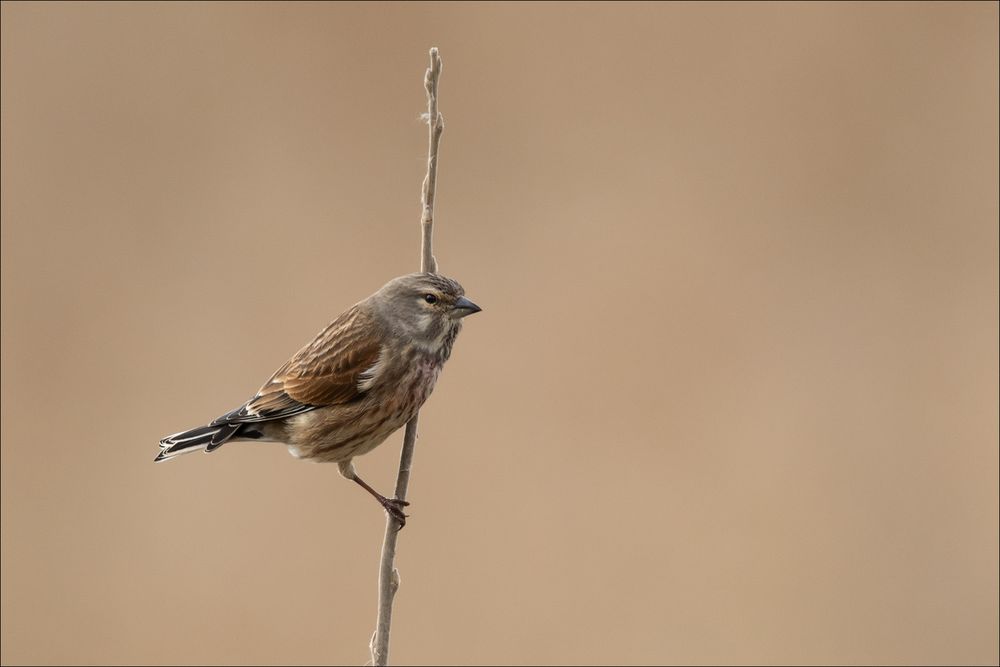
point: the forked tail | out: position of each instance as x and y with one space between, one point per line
208 438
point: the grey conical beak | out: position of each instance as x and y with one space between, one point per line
464 307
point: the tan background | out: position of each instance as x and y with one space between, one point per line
733 397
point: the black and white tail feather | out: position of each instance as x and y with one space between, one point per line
250 421
208 438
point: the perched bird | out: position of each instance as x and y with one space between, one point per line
361 378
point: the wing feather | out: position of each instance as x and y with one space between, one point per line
331 370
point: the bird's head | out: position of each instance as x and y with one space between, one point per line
426 307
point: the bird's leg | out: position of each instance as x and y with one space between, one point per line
393 506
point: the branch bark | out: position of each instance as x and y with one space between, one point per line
388 577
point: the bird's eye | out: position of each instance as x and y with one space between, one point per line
430 298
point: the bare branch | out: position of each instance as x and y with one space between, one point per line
388 578
435 126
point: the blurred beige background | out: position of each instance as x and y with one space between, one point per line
733 397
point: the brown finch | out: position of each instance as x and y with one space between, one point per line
361 378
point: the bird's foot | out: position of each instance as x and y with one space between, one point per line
394 507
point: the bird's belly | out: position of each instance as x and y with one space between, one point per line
329 438
340 433
364 445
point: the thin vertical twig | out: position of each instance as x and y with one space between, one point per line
388 576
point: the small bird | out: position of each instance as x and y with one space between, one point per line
361 378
